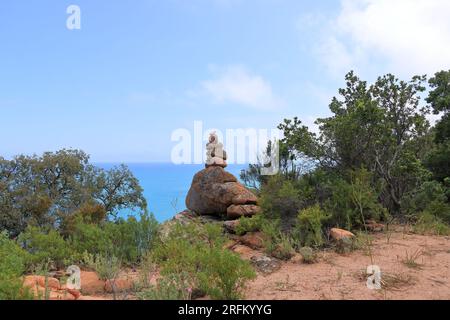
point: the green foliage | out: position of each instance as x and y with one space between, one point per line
351 203
277 243
437 159
170 287
430 224
308 255
280 199
309 227
196 253
439 97
47 191
90 238
223 274
127 239
107 267
251 224
431 197
45 246
12 266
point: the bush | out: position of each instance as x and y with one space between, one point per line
90 238
429 224
277 243
309 226
170 287
308 255
432 198
107 268
45 246
351 203
252 224
195 253
127 239
280 199
12 266
223 274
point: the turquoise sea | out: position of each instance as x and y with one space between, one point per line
166 185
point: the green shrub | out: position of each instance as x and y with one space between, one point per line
309 227
12 266
45 246
280 199
431 197
170 287
127 239
429 224
276 243
308 255
351 203
107 268
195 253
223 274
252 224
90 238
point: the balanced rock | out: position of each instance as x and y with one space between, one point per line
214 190
215 154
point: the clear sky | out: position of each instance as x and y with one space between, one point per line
138 70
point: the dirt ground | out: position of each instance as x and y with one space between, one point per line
412 267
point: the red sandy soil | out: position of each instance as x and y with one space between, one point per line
341 277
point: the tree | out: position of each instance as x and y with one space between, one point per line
44 191
439 99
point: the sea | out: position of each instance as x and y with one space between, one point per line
166 185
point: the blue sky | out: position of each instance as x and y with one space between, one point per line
138 70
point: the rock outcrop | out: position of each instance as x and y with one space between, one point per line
217 192
42 287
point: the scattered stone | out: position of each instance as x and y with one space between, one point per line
231 225
246 210
52 283
265 264
296 259
48 289
373 226
339 234
254 240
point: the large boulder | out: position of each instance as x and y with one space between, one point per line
244 210
213 190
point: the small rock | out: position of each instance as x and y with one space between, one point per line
339 234
254 240
265 264
231 225
32 281
296 259
373 226
75 293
